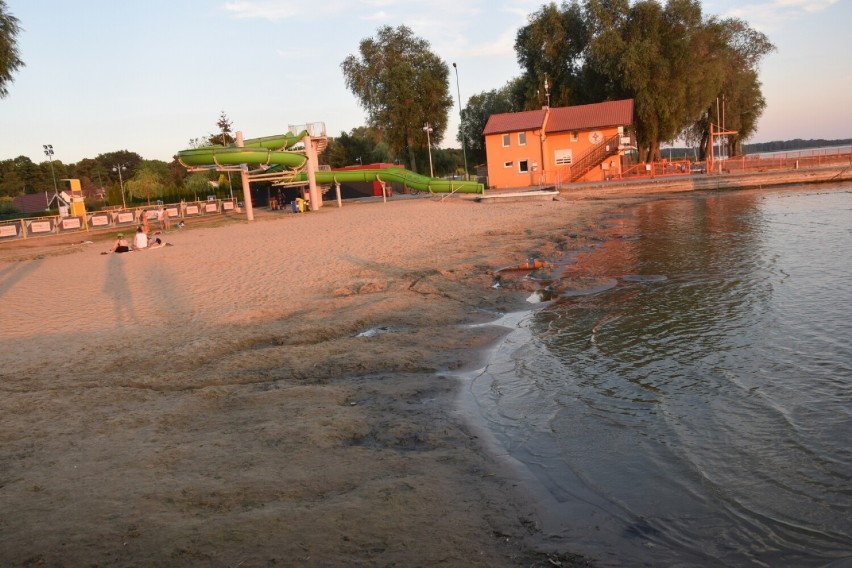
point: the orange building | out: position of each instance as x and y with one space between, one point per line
554 146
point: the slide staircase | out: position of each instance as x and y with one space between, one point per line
321 144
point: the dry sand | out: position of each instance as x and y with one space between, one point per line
217 402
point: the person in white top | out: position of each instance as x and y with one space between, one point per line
140 239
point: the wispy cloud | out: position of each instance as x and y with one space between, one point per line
806 5
775 13
503 45
267 10
380 16
455 27
293 53
275 10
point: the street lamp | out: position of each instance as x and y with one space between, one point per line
428 130
48 151
461 120
118 168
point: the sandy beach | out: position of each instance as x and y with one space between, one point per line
280 392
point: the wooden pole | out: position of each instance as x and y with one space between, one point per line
313 190
245 181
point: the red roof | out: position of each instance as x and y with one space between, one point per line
514 121
580 117
584 117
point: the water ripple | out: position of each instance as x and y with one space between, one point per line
703 399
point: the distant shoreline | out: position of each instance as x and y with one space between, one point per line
704 182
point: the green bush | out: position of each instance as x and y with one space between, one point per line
7 207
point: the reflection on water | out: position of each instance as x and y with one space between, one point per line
698 412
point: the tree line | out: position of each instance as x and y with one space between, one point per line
102 178
795 144
683 70
143 181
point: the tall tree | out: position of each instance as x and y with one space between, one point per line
551 47
18 176
95 171
149 181
667 57
738 102
402 85
120 167
361 145
9 57
198 184
223 137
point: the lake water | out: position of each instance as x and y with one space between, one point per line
699 411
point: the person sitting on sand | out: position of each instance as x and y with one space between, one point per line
120 244
140 239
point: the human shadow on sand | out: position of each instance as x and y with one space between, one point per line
117 287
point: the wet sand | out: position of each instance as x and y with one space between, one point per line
281 392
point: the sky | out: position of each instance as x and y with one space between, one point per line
103 76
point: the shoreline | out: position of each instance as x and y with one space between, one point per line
252 395
714 182
609 189
565 507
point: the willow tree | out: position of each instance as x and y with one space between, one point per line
402 85
671 60
675 64
149 181
647 51
737 102
9 59
551 46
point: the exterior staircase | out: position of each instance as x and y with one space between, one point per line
595 157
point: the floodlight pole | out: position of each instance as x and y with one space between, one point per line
118 168
48 151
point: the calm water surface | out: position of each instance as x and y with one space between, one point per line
699 412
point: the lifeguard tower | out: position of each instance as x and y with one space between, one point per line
72 197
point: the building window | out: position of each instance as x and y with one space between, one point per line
522 138
575 136
508 164
563 157
506 140
524 166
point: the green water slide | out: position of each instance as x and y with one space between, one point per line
397 175
271 151
255 151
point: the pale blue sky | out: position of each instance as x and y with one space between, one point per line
103 75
